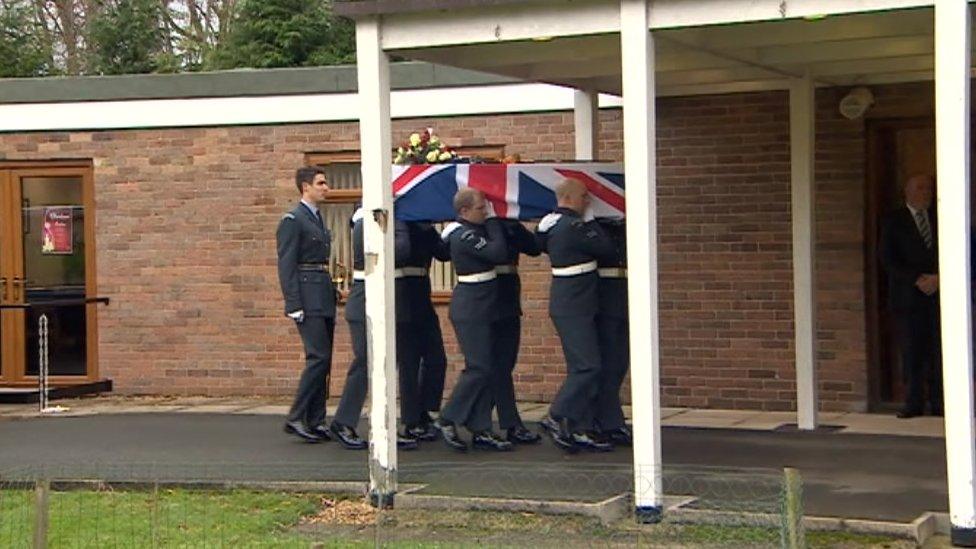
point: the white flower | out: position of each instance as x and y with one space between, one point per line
432 156
444 156
415 139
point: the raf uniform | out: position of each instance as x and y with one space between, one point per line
304 245
475 250
357 379
574 247
613 326
508 327
415 319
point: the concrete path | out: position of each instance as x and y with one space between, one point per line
728 457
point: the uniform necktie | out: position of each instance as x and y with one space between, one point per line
318 218
924 228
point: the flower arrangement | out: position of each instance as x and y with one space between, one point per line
424 148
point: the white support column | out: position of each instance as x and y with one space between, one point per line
952 119
802 114
637 60
375 142
586 117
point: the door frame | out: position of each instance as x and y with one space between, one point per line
14 373
876 174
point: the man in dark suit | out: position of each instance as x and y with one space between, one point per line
508 329
574 247
909 252
304 245
357 379
475 250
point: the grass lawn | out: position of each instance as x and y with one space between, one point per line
246 518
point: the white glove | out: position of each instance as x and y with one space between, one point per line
298 316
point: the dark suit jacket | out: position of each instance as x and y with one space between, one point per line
905 258
302 240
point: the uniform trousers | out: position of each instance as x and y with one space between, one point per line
615 354
471 401
921 356
433 365
576 399
508 333
357 379
309 404
409 348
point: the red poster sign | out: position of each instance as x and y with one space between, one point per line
56 233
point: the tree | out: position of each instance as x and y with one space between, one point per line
23 48
130 37
285 33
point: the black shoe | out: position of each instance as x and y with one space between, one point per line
323 432
406 442
487 440
520 435
559 433
622 436
549 424
450 435
425 432
906 413
298 429
938 413
347 437
588 442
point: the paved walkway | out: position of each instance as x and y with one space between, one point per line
875 467
843 422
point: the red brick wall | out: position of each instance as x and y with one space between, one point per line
185 248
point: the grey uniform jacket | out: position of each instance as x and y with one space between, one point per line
301 240
518 240
475 249
571 241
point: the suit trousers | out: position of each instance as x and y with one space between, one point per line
433 366
921 356
615 353
471 401
508 333
357 379
408 348
309 404
576 399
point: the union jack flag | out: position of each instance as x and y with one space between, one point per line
424 192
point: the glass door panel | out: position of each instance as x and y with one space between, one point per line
53 247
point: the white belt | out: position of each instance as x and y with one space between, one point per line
574 270
409 271
477 277
612 272
506 269
359 275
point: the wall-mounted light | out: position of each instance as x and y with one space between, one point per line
856 103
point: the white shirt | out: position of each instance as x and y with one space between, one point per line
311 207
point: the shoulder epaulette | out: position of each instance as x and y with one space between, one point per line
450 228
549 221
288 215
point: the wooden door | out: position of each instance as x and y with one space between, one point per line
47 258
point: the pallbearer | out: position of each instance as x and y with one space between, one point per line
508 329
475 249
574 247
357 379
614 335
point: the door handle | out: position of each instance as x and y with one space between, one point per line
3 281
19 283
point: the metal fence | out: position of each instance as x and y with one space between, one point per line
438 505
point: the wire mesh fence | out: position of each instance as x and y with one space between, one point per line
437 505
